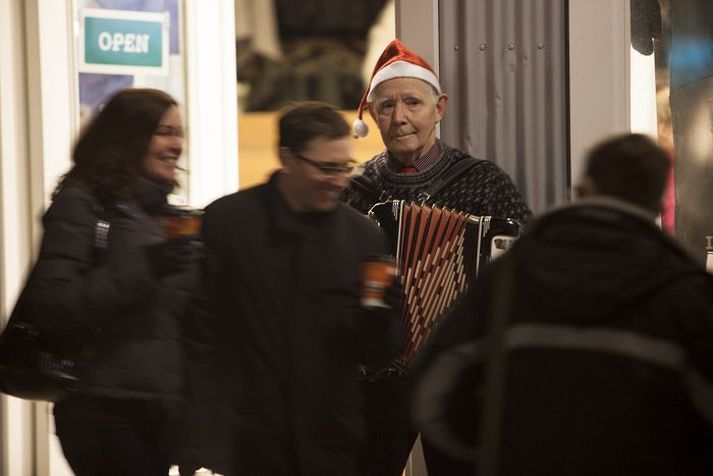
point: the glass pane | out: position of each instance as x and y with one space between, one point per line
116 43
684 79
303 50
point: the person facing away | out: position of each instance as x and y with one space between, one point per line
126 304
406 101
282 285
605 343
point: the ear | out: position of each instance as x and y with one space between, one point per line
441 104
372 110
283 153
586 188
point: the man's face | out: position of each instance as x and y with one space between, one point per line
407 111
315 176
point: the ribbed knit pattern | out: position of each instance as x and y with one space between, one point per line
483 190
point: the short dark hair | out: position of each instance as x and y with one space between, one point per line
630 167
108 153
303 121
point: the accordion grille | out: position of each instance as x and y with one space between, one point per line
437 254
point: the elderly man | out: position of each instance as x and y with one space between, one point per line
406 101
598 340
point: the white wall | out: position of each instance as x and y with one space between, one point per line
15 249
417 27
51 124
642 93
212 100
599 74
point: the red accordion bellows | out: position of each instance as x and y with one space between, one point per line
438 253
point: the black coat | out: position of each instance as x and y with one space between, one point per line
289 331
609 348
113 303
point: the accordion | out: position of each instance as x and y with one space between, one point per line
438 252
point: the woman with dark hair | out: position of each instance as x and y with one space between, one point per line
123 303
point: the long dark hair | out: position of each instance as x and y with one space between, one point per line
109 151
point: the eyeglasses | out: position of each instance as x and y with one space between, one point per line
326 169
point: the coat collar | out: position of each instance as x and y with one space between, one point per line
150 195
287 220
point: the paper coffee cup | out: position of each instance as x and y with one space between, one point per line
181 223
378 273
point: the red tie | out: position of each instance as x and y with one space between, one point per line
409 169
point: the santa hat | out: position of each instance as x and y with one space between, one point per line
396 61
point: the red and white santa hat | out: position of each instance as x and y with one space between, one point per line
396 61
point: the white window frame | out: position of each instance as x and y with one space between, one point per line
38 125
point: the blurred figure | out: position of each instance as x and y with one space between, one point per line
124 305
597 358
406 101
282 281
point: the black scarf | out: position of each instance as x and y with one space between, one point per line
152 196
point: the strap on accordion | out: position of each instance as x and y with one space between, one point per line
366 187
456 170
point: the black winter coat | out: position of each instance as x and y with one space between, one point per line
113 303
289 331
609 352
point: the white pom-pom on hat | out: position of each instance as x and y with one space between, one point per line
360 128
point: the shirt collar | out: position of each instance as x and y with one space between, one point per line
425 161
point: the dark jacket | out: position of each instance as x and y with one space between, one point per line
609 347
289 333
112 302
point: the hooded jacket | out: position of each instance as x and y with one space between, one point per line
608 349
114 305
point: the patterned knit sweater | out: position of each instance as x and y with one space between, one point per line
483 189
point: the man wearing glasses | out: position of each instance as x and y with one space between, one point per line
281 284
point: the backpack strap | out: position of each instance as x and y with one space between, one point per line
101 232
